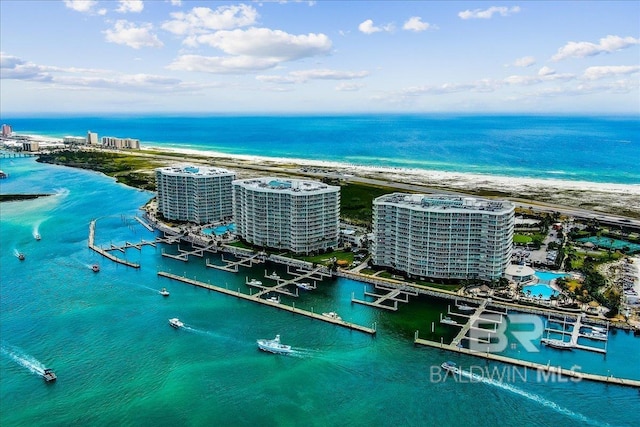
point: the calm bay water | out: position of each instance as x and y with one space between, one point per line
585 148
119 362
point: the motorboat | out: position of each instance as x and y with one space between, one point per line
37 236
95 268
164 292
306 286
450 367
254 282
176 323
596 335
20 256
465 307
273 276
49 376
597 329
332 315
273 346
274 299
559 344
448 321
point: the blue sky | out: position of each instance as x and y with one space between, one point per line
69 56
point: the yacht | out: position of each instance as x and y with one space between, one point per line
465 307
448 321
274 299
273 346
95 268
164 292
306 286
274 276
176 323
559 344
49 375
254 282
332 315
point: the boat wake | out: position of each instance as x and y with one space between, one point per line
531 396
23 359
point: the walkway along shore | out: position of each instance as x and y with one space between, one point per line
92 231
553 370
256 298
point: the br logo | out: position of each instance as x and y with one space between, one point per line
492 333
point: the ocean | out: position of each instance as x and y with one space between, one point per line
118 361
574 148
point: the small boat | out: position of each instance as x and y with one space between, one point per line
274 300
37 236
273 346
597 329
164 292
448 321
306 286
559 344
20 256
176 323
49 375
254 282
273 276
95 268
332 315
465 307
596 335
450 367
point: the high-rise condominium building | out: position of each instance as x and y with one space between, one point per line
443 236
195 194
92 138
297 215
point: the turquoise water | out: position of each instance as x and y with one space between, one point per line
545 290
575 148
220 230
119 362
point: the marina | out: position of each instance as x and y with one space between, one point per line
104 253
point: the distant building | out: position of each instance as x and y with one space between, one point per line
195 194
297 215
7 130
120 143
92 138
75 140
31 146
443 236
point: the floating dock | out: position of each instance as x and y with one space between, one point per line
104 253
256 298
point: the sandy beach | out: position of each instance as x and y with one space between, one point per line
616 199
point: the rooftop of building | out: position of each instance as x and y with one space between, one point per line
285 184
441 202
190 170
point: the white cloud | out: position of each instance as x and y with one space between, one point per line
415 24
349 87
367 27
545 74
267 43
607 44
127 33
203 19
546 71
525 61
176 2
488 13
221 65
81 5
316 74
134 6
595 73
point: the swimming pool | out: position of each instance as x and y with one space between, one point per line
220 230
543 287
546 277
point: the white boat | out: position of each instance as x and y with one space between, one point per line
49 375
597 329
306 286
273 276
332 315
450 367
37 236
448 321
465 307
274 300
164 292
254 282
273 346
559 344
596 335
95 268
176 323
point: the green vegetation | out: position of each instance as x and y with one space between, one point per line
135 171
521 239
356 202
18 197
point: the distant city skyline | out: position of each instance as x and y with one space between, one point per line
164 56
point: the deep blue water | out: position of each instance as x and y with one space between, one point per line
119 362
582 148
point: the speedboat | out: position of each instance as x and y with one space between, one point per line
597 329
559 344
306 286
164 292
450 367
95 268
332 315
37 236
273 276
273 346
254 282
176 323
448 321
274 300
20 256
49 375
465 307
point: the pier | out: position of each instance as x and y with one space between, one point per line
244 261
104 253
128 245
574 334
256 298
143 223
393 294
554 370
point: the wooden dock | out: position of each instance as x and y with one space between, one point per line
128 245
393 294
232 266
143 223
553 370
184 255
255 298
104 253
574 334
